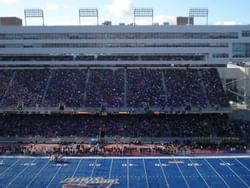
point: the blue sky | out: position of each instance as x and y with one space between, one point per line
65 12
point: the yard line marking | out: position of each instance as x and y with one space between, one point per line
37 174
19 174
76 168
146 176
199 173
127 174
54 176
92 172
9 167
110 169
236 174
164 175
242 164
211 166
182 174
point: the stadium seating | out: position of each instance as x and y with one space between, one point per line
112 87
105 88
144 88
135 126
67 87
26 87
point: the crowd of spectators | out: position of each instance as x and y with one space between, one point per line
27 87
134 126
74 149
82 126
5 77
206 125
145 88
112 87
244 127
214 89
184 88
66 87
127 149
105 88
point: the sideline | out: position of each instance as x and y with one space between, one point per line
134 157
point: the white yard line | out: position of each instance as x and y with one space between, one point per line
37 174
182 174
92 172
110 169
236 174
9 184
199 173
164 175
146 176
9 167
54 176
218 174
242 165
77 168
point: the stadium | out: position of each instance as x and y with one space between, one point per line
124 105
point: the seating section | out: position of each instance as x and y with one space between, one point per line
115 87
5 77
112 87
213 125
66 87
27 88
145 88
214 89
184 88
105 88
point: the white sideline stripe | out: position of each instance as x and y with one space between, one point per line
211 166
242 165
18 175
127 174
76 168
164 175
110 169
54 176
146 176
199 173
236 174
37 175
182 174
139 157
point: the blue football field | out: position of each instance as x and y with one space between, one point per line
125 172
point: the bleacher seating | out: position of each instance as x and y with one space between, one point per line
112 87
135 126
105 88
66 87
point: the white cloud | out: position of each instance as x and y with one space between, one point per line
163 18
55 7
120 7
228 22
52 7
10 2
158 19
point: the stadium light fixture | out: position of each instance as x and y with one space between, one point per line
198 12
88 12
144 12
33 13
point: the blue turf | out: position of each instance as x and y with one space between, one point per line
38 172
